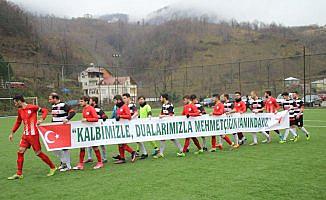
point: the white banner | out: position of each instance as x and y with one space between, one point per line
78 134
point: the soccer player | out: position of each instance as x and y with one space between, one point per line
202 110
271 106
228 107
256 106
219 110
190 110
167 111
27 113
89 115
289 105
123 112
145 111
93 101
298 112
61 112
239 107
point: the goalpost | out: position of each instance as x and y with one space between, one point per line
7 108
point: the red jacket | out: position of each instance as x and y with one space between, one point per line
218 109
240 107
191 110
89 113
124 112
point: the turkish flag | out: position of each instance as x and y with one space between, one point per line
56 136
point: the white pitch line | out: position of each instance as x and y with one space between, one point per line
315 126
313 120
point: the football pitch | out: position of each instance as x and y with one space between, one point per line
266 171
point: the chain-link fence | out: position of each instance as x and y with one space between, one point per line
72 81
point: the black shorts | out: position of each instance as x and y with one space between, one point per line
299 121
293 122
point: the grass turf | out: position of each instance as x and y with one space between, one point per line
266 171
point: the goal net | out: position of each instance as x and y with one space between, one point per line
7 107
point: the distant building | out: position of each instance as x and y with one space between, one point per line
99 82
319 85
291 81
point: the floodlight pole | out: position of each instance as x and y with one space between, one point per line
304 72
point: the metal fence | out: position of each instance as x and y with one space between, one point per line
303 73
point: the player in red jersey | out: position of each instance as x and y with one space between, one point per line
89 115
271 106
123 112
190 110
218 110
239 107
27 113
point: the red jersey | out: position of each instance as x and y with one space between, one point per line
89 113
28 116
191 110
271 105
124 112
240 107
218 109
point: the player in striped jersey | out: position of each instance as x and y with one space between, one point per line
145 111
256 106
27 113
289 105
93 101
202 110
61 112
228 107
298 112
167 111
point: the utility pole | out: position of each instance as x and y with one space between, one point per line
304 72
239 65
116 56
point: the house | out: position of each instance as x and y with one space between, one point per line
291 81
319 85
101 83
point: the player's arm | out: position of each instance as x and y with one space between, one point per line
149 111
44 112
135 112
277 107
103 115
15 127
195 111
71 113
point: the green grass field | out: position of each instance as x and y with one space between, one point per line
266 171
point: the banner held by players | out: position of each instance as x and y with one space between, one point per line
78 134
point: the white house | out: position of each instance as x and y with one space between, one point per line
99 82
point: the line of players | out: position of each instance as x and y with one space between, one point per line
124 108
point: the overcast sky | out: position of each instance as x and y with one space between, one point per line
286 12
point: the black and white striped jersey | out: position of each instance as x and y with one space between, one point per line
228 106
60 111
289 105
200 108
256 104
133 108
297 109
167 109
